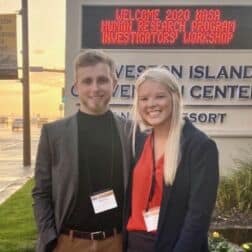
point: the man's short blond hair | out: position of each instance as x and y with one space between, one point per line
92 58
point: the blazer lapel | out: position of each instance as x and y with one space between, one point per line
71 143
167 189
164 204
125 145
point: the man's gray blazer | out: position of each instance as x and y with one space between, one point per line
56 174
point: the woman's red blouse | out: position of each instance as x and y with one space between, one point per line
142 176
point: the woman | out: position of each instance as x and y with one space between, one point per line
172 190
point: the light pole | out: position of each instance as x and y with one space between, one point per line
26 87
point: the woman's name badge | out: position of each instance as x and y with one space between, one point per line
103 201
151 219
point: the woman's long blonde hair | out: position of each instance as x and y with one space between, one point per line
172 146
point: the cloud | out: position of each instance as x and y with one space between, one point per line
38 51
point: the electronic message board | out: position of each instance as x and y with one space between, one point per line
167 27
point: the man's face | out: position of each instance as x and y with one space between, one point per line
94 85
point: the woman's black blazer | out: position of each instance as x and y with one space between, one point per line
187 205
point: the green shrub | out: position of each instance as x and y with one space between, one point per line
235 191
217 243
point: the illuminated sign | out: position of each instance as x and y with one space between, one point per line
167 27
8 47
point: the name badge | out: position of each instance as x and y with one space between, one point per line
103 201
151 219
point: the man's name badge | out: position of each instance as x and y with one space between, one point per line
103 201
151 218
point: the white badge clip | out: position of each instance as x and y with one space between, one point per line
103 201
151 218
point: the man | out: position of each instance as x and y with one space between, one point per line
82 167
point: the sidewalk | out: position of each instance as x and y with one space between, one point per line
12 172
12 177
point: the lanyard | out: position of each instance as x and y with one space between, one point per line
112 159
153 173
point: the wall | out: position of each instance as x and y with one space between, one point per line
216 98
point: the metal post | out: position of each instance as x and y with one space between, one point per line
26 88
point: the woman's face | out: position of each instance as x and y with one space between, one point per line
154 104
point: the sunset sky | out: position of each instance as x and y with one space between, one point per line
47 49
